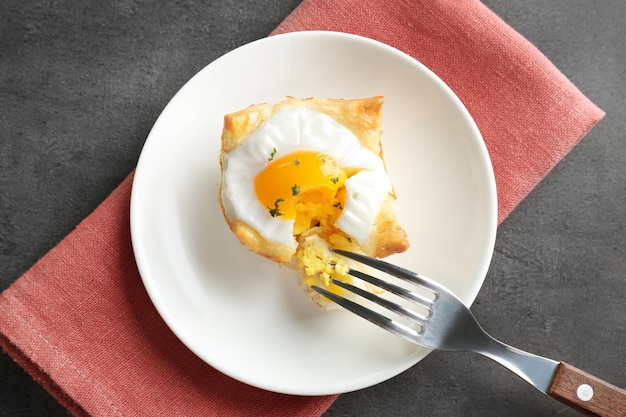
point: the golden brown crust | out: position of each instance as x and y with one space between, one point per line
389 237
257 243
364 118
238 125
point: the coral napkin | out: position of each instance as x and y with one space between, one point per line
80 322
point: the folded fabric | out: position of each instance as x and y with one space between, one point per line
80 322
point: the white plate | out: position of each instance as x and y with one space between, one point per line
243 314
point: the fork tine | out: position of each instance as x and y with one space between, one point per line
393 270
394 289
390 305
378 319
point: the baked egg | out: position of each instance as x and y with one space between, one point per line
304 176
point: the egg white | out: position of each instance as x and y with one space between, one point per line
294 129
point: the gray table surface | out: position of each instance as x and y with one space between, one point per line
82 82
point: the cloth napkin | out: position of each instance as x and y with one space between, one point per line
80 322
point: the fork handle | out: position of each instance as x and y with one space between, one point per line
587 393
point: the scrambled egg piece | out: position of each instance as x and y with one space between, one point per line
320 264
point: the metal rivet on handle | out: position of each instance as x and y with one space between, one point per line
584 392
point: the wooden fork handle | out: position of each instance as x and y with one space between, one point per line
587 393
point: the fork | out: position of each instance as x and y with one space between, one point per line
438 319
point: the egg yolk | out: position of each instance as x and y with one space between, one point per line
305 186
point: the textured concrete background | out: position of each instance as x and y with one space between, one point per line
82 82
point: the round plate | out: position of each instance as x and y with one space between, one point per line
245 315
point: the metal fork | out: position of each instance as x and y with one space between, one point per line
440 320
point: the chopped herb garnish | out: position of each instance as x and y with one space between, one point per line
272 154
334 180
349 239
296 162
275 212
295 190
338 205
